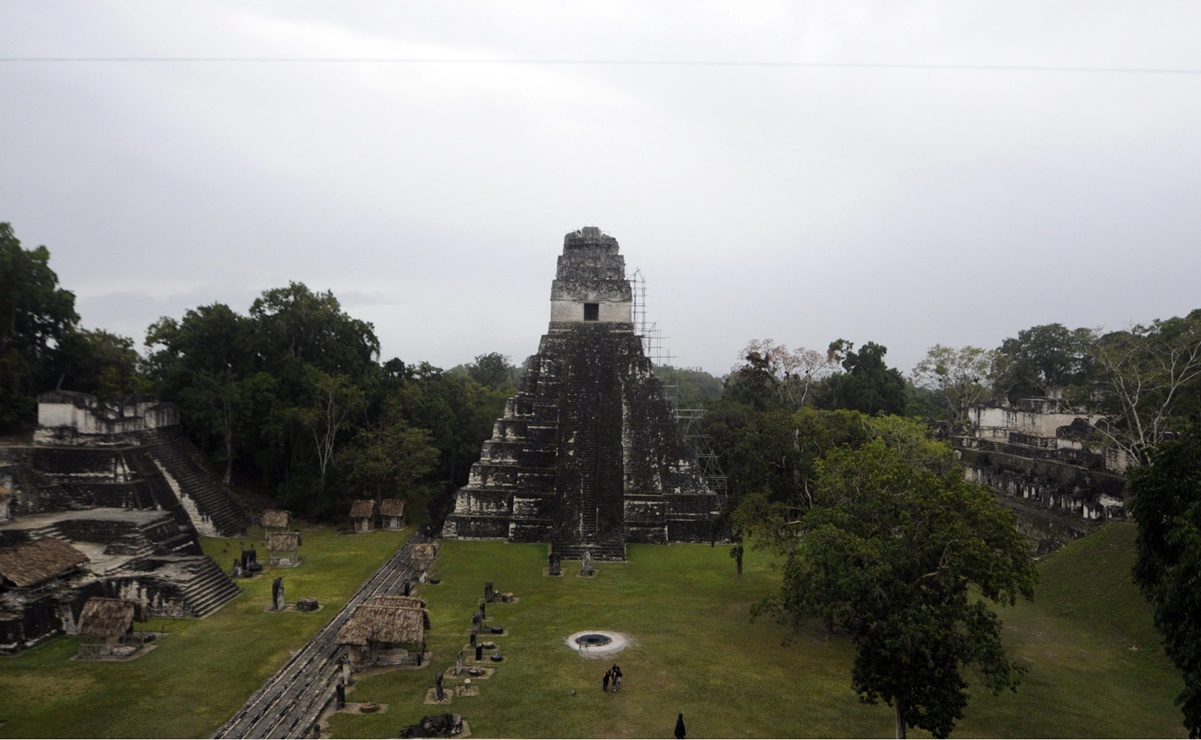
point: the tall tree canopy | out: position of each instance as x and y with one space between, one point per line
1044 359
773 376
1166 503
897 551
868 385
963 377
36 315
1148 381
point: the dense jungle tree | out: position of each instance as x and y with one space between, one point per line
1148 382
459 414
962 377
1166 504
896 551
36 316
867 384
208 363
98 362
694 387
1044 359
493 371
773 376
392 458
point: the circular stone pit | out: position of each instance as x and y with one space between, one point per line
597 643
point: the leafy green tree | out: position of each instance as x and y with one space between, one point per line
1148 382
459 414
696 388
897 551
493 371
962 376
1044 359
394 459
207 362
774 376
335 398
868 385
36 315
298 326
1166 504
98 362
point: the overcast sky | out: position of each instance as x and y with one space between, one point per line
930 173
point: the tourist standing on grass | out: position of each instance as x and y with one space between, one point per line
616 671
680 727
605 681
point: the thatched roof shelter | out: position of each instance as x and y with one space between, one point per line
362 509
283 541
392 507
275 518
39 561
404 602
107 618
384 624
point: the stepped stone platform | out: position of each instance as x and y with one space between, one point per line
588 455
120 483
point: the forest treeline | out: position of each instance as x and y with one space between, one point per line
289 397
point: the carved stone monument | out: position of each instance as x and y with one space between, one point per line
489 592
555 566
587 569
277 595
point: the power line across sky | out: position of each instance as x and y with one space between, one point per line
606 62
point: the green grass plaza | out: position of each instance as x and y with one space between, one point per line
1095 664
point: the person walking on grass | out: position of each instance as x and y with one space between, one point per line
680 727
605 681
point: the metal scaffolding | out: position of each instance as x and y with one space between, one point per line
687 419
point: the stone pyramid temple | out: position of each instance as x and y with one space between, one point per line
588 455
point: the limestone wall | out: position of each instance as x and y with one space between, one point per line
66 418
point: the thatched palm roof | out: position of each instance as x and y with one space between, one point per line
106 617
362 509
404 602
39 561
283 541
275 518
388 624
392 507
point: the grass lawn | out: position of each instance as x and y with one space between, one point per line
203 670
1096 669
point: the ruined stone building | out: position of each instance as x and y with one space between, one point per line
108 501
587 455
1047 464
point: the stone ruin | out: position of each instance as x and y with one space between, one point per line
1048 465
588 455
120 483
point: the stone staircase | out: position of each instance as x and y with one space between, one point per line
209 589
174 454
606 548
45 531
174 585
